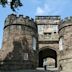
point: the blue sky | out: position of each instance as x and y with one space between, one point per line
37 7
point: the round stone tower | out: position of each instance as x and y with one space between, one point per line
20 43
65 45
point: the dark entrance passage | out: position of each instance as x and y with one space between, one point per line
45 53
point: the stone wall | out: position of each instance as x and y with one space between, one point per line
18 43
65 31
20 33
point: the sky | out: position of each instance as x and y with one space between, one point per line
32 8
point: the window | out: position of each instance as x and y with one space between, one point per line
47 35
54 32
34 43
61 44
25 56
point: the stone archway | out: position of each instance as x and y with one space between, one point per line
47 53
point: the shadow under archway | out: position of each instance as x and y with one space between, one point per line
45 53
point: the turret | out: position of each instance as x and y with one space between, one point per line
65 44
20 41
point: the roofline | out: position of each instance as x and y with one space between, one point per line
48 16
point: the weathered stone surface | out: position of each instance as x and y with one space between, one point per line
17 51
48 38
65 31
20 33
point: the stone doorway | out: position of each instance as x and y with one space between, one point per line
49 55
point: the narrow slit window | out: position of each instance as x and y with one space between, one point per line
25 56
61 44
34 43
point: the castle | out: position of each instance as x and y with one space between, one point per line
29 44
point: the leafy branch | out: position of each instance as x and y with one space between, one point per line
13 3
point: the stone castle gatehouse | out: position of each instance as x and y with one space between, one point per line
29 44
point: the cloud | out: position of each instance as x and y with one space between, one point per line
52 7
42 10
39 11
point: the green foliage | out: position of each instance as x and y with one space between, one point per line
13 4
3 2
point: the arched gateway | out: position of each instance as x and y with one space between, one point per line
47 53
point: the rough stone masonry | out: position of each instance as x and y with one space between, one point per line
29 43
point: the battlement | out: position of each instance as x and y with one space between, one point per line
67 19
47 19
21 20
65 22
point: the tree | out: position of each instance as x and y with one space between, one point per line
12 3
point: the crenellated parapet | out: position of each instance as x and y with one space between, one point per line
29 43
65 44
20 20
20 43
47 19
9 20
66 22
